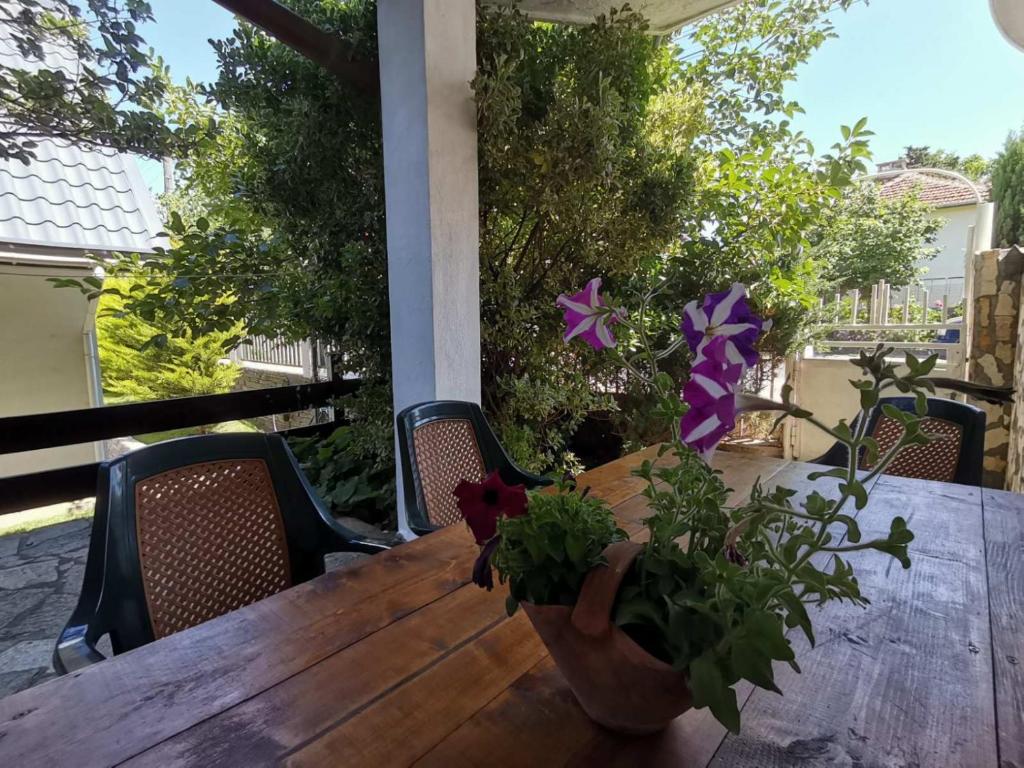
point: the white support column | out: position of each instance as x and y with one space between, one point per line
427 60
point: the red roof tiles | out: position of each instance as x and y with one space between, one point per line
934 189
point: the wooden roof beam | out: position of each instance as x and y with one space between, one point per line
329 50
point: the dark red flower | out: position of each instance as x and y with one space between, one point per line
481 504
734 556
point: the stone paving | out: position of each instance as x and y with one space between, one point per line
40 578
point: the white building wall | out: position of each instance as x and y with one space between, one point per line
952 241
42 359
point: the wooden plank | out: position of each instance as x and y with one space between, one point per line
540 704
1004 544
52 486
399 727
328 49
49 430
325 695
125 705
906 681
541 697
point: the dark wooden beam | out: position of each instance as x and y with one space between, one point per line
49 430
330 51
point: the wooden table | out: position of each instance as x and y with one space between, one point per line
401 661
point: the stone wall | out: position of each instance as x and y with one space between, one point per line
1015 459
993 350
264 378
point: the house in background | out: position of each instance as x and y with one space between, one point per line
67 203
962 204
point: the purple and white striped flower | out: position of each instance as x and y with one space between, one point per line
725 315
587 317
711 395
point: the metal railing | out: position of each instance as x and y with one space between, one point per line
260 349
51 430
306 357
909 318
894 307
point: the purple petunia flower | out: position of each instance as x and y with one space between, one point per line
587 318
711 395
725 315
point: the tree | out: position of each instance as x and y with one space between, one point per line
139 360
1008 190
868 238
84 76
972 166
762 187
599 146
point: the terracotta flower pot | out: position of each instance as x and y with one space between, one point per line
618 683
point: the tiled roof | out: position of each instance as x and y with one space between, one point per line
69 196
936 190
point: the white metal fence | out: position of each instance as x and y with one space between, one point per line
904 317
308 358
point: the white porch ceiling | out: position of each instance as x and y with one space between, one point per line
664 15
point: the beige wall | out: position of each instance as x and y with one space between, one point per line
42 358
823 388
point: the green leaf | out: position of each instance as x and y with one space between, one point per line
750 663
765 630
857 490
852 529
835 472
709 690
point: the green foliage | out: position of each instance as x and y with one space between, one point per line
586 167
140 360
762 188
972 166
348 485
715 591
103 90
598 146
867 238
545 555
1008 190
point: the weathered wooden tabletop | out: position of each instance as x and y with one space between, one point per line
400 660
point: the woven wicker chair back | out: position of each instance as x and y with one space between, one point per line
446 453
935 461
211 539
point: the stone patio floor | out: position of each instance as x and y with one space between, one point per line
40 578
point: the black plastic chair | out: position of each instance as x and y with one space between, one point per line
441 443
956 459
187 530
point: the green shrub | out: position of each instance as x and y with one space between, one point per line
1008 191
140 360
349 485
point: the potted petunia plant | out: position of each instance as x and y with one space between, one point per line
644 631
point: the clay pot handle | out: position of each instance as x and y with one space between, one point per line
593 612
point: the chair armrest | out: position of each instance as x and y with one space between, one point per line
74 651
519 476
350 541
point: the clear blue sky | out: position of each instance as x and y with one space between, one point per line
933 72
